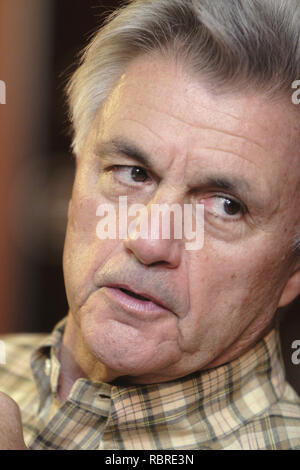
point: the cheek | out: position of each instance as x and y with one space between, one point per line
84 253
221 285
80 236
82 220
226 296
81 261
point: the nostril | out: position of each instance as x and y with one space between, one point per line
159 252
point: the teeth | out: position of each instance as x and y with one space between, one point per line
132 294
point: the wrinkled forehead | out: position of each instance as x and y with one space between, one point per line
176 99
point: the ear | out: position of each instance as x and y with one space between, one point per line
291 289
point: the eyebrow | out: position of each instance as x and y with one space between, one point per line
231 183
123 147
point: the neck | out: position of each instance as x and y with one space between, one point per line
77 361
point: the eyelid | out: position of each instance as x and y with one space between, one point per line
212 194
230 197
234 199
120 167
114 167
228 218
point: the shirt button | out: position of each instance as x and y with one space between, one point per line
47 367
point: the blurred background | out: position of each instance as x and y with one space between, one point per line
39 44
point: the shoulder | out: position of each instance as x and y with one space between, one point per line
20 344
277 428
284 420
15 356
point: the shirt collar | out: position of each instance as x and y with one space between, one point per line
222 398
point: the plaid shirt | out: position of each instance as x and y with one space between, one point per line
245 404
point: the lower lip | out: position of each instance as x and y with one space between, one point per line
131 303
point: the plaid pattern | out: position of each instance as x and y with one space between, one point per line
246 404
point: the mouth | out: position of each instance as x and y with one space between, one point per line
132 300
133 294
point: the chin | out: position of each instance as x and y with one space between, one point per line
126 356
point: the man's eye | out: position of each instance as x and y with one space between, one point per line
224 207
138 174
130 174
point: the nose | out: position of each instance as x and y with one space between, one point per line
151 245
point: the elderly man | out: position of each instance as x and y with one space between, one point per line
187 103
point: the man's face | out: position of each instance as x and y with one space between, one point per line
236 155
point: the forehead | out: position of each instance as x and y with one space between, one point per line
168 110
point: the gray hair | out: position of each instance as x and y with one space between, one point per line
229 43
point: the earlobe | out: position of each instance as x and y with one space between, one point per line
291 289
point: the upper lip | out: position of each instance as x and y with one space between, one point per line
142 293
